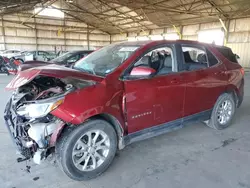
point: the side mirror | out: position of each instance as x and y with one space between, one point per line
142 71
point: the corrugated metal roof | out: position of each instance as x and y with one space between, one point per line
119 16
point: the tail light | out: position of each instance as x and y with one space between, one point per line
242 71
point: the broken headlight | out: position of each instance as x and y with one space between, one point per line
41 109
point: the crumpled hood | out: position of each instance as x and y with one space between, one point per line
32 64
56 71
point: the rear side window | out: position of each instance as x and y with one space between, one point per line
227 53
212 60
195 58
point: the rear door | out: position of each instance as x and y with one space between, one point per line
205 78
156 100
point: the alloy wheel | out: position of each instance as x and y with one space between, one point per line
91 150
225 112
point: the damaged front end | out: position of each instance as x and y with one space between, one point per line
28 118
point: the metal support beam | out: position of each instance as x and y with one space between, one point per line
177 31
3 31
79 19
227 24
104 21
36 34
223 25
217 8
135 20
88 37
64 35
181 31
45 6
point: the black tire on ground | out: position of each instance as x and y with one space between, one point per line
213 121
66 142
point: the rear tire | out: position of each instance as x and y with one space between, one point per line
223 112
86 151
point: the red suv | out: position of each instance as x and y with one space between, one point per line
118 95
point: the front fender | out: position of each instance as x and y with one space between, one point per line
82 104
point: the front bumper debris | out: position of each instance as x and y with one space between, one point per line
33 139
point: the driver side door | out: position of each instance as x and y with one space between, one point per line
155 100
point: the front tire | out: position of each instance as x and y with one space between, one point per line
223 112
86 151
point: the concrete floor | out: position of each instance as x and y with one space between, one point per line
193 157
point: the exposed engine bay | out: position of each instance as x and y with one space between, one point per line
28 117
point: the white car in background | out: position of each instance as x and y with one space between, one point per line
35 55
10 53
39 56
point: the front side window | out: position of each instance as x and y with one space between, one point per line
159 59
195 58
105 60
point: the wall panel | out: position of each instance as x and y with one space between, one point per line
241 49
48 34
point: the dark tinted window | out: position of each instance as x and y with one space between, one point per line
212 60
227 53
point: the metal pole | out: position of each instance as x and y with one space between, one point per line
88 37
36 34
3 31
64 34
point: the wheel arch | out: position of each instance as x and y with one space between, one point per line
104 116
115 124
112 120
235 93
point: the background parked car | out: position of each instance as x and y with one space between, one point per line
20 56
60 53
10 53
71 57
39 56
67 59
31 55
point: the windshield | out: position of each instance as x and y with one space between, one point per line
105 60
63 57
